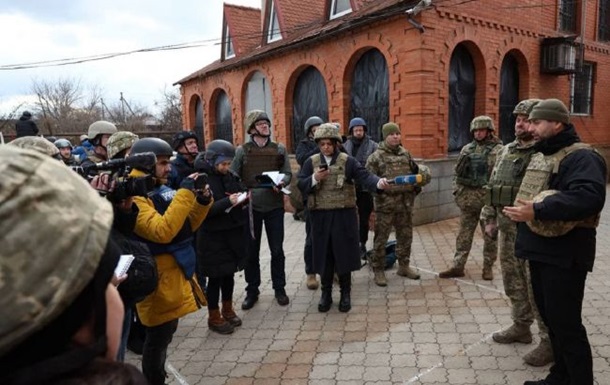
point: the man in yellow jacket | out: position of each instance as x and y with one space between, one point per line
166 221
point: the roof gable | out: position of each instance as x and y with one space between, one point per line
244 27
297 15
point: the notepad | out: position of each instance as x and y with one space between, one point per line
123 265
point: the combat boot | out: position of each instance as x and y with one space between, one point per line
380 279
218 324
228 313
345 302
488 274
515 333
406 271
454 272
312 282
541 355
326 299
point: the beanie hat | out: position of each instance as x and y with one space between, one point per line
552 110
389 128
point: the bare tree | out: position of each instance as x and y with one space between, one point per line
170 117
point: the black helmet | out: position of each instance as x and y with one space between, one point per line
179 138
157 146
217 151
312 121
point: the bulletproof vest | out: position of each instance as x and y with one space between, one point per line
507 176
394 165
473 168
258 160
333 192
538 177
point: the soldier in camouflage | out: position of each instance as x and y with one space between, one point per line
99 132
119 144
502 189
560 255
394 206
37 143
472 172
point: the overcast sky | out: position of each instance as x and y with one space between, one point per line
42 30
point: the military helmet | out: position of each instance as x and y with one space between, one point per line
101 127
63 143
312 121
549 228
119 141
524 107
157 146
255 116
481 122
357 122
37 143
424 171
327 131
220 148
179 138
46 260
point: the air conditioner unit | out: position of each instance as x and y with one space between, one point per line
559 55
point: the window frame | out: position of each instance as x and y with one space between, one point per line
229 48
586 74
603 10
562 15
333 9
271 36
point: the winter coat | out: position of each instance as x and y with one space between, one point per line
26 127
181 168
221 239
336 229
306 148
581 180
175 295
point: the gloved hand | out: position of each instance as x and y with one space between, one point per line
188 183
204 197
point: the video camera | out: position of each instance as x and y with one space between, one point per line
124 185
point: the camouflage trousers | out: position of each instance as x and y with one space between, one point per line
516 277
469 219
402 221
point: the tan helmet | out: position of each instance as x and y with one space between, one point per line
101 127
549 228
37 143
481 122
424 171
524 107
327 131
255 116
120 141
54 228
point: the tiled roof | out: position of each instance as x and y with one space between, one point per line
244 26
369 12
297 15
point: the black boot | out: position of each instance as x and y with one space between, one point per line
345 303
326 299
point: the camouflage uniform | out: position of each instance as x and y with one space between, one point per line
37 143
393 207
472 171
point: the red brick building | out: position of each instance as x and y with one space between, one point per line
430 66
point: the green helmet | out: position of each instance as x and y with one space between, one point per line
119 141
37 143
424 171
548 228
524 107
481 122
255 116
55 228
327 131
101 127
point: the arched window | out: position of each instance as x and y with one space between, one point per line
258 97
310 99
224 122
199 129
509 97
370 92
462 88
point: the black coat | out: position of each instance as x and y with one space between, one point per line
26 127
222 238
336 230
581 179
305 149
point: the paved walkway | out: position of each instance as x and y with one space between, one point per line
431 331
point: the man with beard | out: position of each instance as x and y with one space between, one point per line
472 171
186 144
557 209
502 189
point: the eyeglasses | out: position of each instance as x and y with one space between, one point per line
261 123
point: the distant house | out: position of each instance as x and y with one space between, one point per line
430 66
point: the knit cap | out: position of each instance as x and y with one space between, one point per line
552 110
389 128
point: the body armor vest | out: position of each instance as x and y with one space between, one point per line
394 165
539 172
258 160
473 168
333 192
508 174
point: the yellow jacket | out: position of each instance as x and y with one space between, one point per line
175 295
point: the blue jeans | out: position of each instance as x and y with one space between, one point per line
274 227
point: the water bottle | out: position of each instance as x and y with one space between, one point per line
407 179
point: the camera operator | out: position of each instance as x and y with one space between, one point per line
166 221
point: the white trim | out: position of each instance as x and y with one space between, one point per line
273 34
333 15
